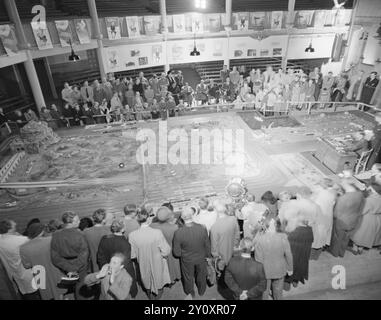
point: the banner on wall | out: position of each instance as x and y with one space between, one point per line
133 27
41 35
257 20
241 21
8 39
178 23
330 16
82 31
276 19
319 18
197 23
343 17
64 32
127 57
213 22
303 18
152 25
113 28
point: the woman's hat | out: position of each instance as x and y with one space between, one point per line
164 214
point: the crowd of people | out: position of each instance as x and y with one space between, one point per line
269 91
257 249
127 99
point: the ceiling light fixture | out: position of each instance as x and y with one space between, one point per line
195 52
309 48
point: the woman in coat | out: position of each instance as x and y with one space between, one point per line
368 231
346 216
149 247
166 223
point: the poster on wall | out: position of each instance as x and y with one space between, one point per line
197 23
257 20
372 50
218 48
214 22
319 18
241 21
133 27
178 23
157 53
82 31
170 23
330 16
303 18
276 19
152 25
113 59
41 35
8 39
64 32
343 17
113 28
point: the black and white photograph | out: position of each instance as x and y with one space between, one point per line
190 156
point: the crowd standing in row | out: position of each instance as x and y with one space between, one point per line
126 99
258 250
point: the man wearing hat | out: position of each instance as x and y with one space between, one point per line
36 252
166 222
191 244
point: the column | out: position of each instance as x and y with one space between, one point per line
28 64
164 24
228 11
98 34
289 25
350 35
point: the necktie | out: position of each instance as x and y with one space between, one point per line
87 93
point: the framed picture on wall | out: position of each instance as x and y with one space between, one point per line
82 31
8 39
151 25
64 32
241 21
251 53
157 53
277 51
143 61
113 28
41 35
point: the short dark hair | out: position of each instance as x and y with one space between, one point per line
129 208
85 223
5 226
268 196
168 205
142 216
68 217
53 226
99 215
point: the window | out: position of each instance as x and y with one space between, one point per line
200 4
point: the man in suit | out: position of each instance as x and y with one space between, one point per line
191 244
87 93
245 276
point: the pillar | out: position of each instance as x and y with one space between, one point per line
289 25
350 35
98 35
228 11
28 64
163 13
